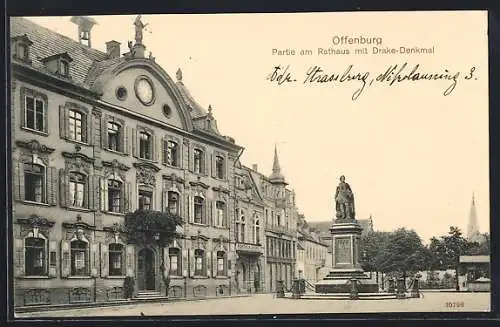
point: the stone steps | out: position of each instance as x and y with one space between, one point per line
149 296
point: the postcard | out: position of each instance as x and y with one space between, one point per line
273 164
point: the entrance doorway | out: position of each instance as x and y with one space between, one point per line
146 270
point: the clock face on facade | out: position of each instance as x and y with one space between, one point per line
144 90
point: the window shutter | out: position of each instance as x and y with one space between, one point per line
164 147
214 264
51 186
166 262
52 260
23 109
104 260
206 160
191 208
164 200
64 188
103 190
130 260
63 122
180 153
126 140
226 167
104 133
212 160
135 149
191 263
128 197
208 212
191 157
19 259
185 262
215 214
154 149
18 185
94 259
65 259
211 213
123 197
90 128
93 192
208 263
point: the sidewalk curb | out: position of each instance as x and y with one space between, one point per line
69 306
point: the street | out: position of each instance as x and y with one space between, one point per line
267 304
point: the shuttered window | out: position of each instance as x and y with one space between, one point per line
35 256
199 257
77 190
175 260
34 183
114 134
114 195
116 259
79 258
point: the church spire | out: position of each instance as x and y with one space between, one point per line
472 228
276 176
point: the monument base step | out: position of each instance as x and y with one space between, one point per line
343 285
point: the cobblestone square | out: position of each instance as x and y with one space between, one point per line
268 304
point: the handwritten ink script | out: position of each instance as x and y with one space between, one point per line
391 76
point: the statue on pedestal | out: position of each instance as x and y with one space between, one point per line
139 26
344 201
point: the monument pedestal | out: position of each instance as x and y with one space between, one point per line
346 236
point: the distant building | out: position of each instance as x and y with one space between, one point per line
312 255
473 234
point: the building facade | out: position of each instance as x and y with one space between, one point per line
311 256
96 135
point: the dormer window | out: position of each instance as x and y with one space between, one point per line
58 64
21 48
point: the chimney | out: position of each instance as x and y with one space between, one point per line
113 49
85 25
254 167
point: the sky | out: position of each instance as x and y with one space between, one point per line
412 156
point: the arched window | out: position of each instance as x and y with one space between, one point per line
220 218
77 189
221 263
114 131
173 202
174 255
35 258
199 257
145 198
219 167
257 230
79 258
116 259
145 146
198 161
199 205
34 182
114 195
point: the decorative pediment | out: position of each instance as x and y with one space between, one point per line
199 184
35 147
35 221
114 232
221 243
173 178
115 164
78 158
78 224
200 240
221 189
146 165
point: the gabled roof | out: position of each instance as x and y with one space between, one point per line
47 43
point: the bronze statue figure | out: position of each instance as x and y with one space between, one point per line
344 201
139 26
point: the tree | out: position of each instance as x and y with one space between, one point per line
455 245
403 253
371 245
479 248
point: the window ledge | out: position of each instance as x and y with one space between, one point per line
80 209
199 277
147 160
221 277
33 203
79 277
116 152
75 141
199 224
176 277
34 131
35 277
116 277
170 166
220 227
113 213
